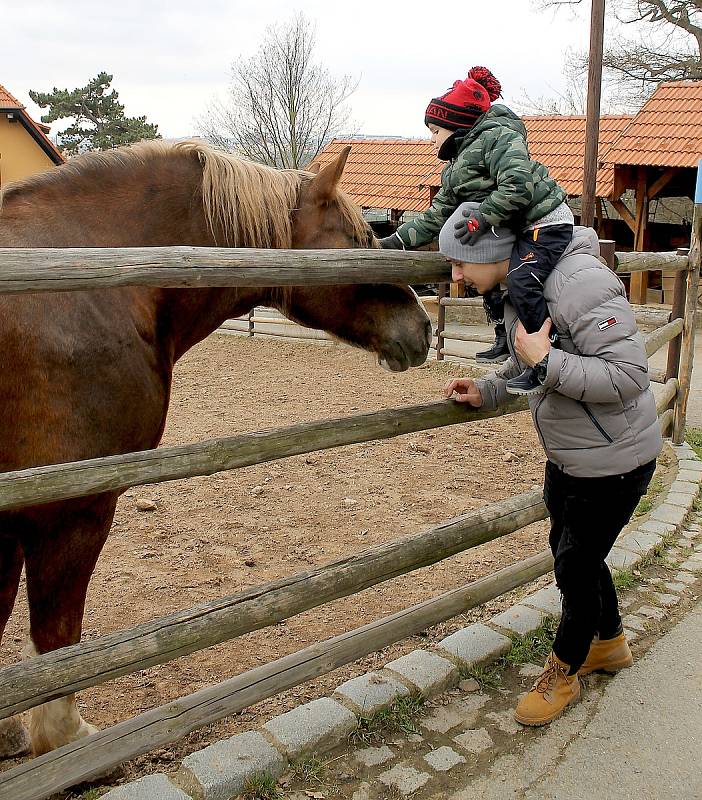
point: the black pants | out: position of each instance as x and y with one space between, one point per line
587 515
534 256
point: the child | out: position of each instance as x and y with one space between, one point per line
489 163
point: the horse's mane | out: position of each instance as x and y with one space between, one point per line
245 203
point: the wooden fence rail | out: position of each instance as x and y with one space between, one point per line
91 663
66 269
98 753
77 479
110 473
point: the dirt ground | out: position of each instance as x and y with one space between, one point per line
215 536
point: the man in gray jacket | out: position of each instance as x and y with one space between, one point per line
598 425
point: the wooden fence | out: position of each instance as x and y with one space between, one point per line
62 672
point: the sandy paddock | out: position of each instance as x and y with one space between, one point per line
214 536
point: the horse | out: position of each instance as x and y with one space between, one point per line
88 373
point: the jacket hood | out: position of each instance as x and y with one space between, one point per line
584 241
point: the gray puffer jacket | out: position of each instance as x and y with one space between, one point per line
598 415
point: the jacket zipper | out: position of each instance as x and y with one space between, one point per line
536 419
594 421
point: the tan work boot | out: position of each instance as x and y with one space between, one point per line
609 655
552 692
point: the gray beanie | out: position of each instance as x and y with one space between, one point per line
493 246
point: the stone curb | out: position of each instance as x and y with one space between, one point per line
219 771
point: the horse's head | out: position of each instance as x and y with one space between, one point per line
383 318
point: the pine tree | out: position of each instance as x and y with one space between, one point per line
98 117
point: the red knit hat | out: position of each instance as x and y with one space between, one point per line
465 101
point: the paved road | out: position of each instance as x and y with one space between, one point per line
641 739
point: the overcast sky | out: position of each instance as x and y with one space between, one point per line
170 58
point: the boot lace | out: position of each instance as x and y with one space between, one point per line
548 677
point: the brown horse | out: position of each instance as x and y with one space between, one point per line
86 374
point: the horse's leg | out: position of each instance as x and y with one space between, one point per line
59 564
14 739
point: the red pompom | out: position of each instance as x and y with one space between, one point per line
487 80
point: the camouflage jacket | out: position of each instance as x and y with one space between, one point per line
493 168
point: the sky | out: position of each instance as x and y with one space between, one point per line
170 59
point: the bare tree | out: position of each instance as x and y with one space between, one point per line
283 107
662 42
570 100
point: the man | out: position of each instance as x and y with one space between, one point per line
598 425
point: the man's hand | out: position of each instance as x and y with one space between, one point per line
466 391
533 347
471 228
392 242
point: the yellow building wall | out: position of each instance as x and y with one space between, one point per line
20 155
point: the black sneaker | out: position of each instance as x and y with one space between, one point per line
527 383
497 353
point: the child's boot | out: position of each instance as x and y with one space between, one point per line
527 383
498 352
550 695
608 655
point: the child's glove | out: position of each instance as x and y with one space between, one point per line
393 242
469 230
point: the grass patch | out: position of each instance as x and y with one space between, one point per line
309 770
646 502
399 717
530 648
624 579
489 677
693 436
533 647
261 786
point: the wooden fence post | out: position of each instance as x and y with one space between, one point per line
687 354
251 321
607 252
672 369
441 321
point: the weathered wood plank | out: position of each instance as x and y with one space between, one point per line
95 755
670 390
465 335
54 269
110 473
61 672
66 269
666 421
656 339
645 262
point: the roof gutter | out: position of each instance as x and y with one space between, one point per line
43 141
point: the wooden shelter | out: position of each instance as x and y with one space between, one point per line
656 156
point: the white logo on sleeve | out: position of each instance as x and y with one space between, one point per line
607 323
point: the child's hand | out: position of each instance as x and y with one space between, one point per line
392 242
466 391
471 228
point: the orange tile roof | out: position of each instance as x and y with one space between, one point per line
667 131
387 173
559 143
397 173
9 102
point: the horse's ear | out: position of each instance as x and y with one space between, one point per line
325 183
314 167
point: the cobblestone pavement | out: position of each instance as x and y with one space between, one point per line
466 744
438 723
